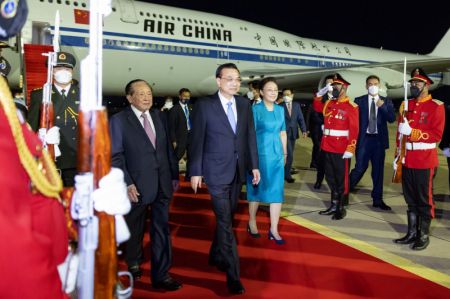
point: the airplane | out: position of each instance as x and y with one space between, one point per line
174 47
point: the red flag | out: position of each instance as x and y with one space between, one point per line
81 16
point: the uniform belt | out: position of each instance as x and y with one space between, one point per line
412 146
337 133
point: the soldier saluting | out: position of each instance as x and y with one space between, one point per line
65 98
423 127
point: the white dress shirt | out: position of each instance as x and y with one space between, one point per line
224 102
186 116
138 114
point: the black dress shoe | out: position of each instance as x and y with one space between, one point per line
235 287
290 180
382 206
168 284
135 271
317 185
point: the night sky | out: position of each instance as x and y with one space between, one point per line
417 28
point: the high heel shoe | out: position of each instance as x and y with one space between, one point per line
253 235
277 241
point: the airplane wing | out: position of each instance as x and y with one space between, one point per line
306 79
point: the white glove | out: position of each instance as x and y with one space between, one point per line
394 164
322 127
404 128
51 136
347 155
324 90
112 197
446 152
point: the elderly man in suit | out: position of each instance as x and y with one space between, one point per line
223 150
141 148
375 112
293 118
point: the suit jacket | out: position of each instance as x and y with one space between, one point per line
143 165
294 120
386 113
445 142
215 149
66 118
178 129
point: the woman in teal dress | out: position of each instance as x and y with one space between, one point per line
271 140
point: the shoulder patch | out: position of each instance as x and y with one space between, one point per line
353 104
438 102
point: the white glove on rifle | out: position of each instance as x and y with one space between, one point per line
394 164
324 90
111 197
446 152
51 136
347 155
404 128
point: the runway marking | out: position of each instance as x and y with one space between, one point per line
405 264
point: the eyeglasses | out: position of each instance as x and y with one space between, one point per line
229 79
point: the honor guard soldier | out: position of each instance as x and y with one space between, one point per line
65 99
422 127
341 125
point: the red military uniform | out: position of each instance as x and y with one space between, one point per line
33 230
426 118
340 133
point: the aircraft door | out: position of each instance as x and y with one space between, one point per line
127 11
223 54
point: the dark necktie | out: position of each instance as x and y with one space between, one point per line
148 129
372 118
63 93
186 112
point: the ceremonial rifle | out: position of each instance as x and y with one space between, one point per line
401 149
46 120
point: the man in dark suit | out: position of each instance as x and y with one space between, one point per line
444 145
293 118
141 148
222 150
375 112
65 99
180 124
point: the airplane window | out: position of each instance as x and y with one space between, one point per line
190 21
206 23
207 51
221 25
167 17
50 1
42 0
178 19
83 4
195 51
184 19
178 49
195 21
67 2
148 14
201 22
154 15
217 24
190 50
58 1
172 48
114 9
173 18
75 3
160 16
141 13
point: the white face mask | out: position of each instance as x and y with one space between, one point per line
250 95
63 76
373 90
168 104
287 99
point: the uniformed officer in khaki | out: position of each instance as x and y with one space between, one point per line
65 99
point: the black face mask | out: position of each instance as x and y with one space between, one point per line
184 101
336 93
415 91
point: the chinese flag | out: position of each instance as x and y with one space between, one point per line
81 16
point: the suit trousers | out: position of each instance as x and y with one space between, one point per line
371 150
161 246
224 248
417 187
336 172
316 137
289 158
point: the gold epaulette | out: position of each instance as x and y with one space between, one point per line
438 102
353 104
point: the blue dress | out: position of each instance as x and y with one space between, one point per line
268 125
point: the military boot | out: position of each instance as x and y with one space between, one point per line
410 236
332 208
340 210
423 231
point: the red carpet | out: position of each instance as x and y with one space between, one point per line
308 266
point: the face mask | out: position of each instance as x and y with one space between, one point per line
250 95
168 104
184 101
373 90
63 76
287 99
415 91
336 93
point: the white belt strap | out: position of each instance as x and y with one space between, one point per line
337 133
412 146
